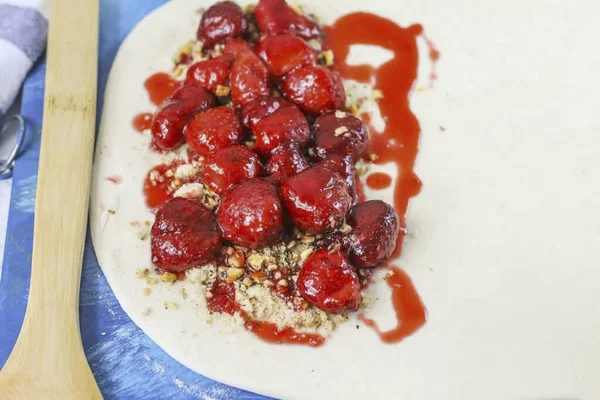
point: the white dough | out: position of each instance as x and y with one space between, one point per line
503 240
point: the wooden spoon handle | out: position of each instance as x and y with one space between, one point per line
48 359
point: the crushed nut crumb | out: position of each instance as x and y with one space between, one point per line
234 273
170 305
168 277
141 272
222 91
151 281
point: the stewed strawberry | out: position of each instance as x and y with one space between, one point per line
317 200
246 84
375 228
284 124
273 121
344 167
249 75
185 234
213 129
329 282
229 166
286 161
251 215
244 55
284 53
341 134
315 89
221 21
276 17
175 112
210 73
257 109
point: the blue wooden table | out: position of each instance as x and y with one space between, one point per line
125 362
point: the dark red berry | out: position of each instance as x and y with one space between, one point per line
315 89
286 161
251 215
329 282
184 235
229 166
285 53
284 124
341 134
276 17
175 112
221 21
210 73
246 84
245 55
257 109
344 168
249 75
375 228
317 200
213 129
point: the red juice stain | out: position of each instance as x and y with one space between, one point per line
399 141
434 56
142 121
158 192
158 187
160 86
116 179
270 333
222 298
379 180
410 311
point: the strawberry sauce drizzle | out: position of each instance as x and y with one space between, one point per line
142 121
268 332
157 193
160 86
379 180
399 141
410 312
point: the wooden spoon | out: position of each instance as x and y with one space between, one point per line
48 361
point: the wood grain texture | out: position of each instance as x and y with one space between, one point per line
48 360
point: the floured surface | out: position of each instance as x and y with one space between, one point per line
502 241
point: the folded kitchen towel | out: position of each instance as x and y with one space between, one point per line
23 33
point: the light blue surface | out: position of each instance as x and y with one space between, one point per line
125 362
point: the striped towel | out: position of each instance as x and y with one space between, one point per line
23 33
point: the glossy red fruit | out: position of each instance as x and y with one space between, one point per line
285 53
245 55
286 161
251 215
375 228
344 167
249 75
229 166
287 123
329 282
315 89
276 17
317 200
175 112
221 21
341 134
246 84
213 129
184 235
257 109
210 73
